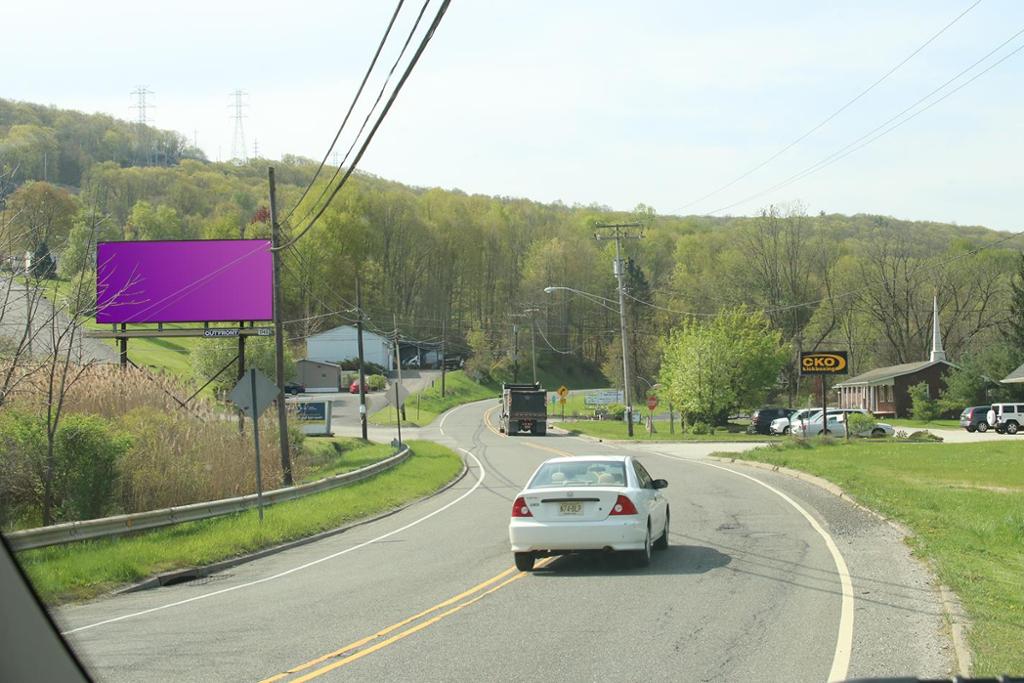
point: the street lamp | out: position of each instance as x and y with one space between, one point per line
600 300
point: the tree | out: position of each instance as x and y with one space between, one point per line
148 222
1015 322
730 361
43 267
922 406
40 212
215 355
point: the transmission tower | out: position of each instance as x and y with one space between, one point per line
238 151
256 148
142 151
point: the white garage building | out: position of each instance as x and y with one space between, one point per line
338 344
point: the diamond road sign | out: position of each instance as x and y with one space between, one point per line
403 393
242 394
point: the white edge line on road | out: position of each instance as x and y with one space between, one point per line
844 639
279 575
440 425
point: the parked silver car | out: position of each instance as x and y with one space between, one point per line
783 425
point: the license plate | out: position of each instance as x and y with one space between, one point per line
570 508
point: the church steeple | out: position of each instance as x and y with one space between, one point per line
937 352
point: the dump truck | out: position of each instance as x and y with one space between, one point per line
524 408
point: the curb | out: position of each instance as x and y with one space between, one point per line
192 573
952 610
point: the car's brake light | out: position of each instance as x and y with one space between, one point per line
520 509
623 506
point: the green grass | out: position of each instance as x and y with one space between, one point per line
615 429
965 505
340 454
575 405
86 569
904 423
424 406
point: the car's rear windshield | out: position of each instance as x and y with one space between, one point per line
580 473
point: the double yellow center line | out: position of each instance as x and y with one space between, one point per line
417 622
383 638
531 444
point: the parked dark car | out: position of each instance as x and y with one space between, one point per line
973 418
294 388
761 419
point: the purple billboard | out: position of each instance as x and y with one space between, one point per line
184 281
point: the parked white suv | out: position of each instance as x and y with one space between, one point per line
813 427
1006 418
783 425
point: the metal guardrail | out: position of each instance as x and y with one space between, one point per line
120 524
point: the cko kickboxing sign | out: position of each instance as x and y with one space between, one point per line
823 363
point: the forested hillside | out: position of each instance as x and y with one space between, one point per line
477 264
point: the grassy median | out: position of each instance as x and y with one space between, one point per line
85 569
423 407
965 505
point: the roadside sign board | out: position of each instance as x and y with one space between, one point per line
603 397
652 402
823 363
563 391
242 395
311 412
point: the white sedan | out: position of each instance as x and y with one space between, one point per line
589 503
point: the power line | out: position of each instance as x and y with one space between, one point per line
854 146
387 107
351 107
369 113
833 115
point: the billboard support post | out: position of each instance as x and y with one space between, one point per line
241 373
124 349
282 415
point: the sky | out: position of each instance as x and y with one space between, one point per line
612 103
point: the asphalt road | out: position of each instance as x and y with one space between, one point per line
47 325
750 589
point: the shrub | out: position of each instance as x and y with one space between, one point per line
22 450
702 428
368 368
615 411
88 452
924 436
376 382
858 424
922 407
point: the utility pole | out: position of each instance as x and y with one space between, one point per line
398 358
359 345
619 232
444 337
398 381
515 353
533 347
282 416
